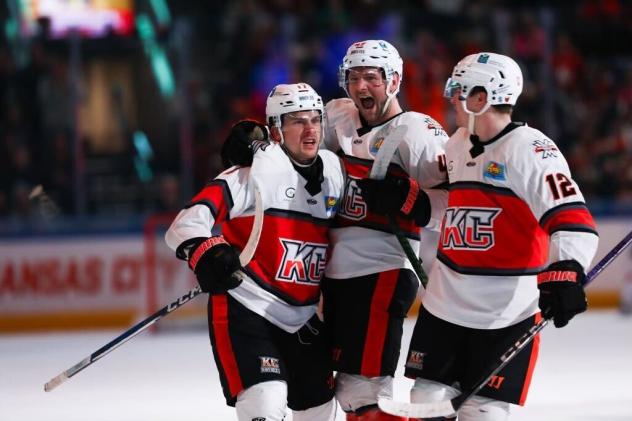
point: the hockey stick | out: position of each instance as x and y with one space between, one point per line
449 408
378 172
244 258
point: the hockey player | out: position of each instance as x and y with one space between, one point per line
267 341
516 236
369 285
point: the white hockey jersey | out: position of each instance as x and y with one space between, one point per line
512 210
362 241
283 277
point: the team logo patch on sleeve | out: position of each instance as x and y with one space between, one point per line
432 124
270 365
546 148
495 171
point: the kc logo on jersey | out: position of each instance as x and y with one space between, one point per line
270 365
469 228
353 206
303 263
415 360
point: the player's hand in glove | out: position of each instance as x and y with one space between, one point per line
396 194
214 261
561 292
242 141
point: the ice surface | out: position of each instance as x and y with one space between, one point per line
584 373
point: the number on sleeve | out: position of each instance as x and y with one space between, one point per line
563 187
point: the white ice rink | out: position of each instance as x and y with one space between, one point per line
584 373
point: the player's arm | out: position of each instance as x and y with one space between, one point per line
195 236
545 182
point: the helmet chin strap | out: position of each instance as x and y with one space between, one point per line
389 98
471 115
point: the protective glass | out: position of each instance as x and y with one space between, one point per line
314 118
372 77
452 88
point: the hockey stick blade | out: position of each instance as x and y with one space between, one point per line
449 408
391 141
413 410
244 258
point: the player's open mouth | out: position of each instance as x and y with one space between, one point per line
309 142
367 102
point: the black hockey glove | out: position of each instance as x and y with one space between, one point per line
214 261
238 146
561 292
396 194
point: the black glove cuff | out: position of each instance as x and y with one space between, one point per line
562 271
184 250
204 246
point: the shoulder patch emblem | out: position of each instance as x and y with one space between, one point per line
495 171
546 147
436 127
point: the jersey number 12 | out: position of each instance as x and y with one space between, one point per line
560 185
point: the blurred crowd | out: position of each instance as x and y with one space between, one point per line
576 58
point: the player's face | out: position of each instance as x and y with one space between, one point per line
456 99
367 89
302 132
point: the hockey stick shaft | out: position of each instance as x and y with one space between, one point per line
244 258
525 339
378 172
448 408
410 253
121 339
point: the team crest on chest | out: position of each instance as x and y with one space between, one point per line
467 228
302 262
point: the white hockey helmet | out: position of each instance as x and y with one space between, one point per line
498 74
372 53
291 98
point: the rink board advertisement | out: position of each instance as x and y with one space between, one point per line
86 281
110 281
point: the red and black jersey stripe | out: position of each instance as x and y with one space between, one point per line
217 197
573 216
